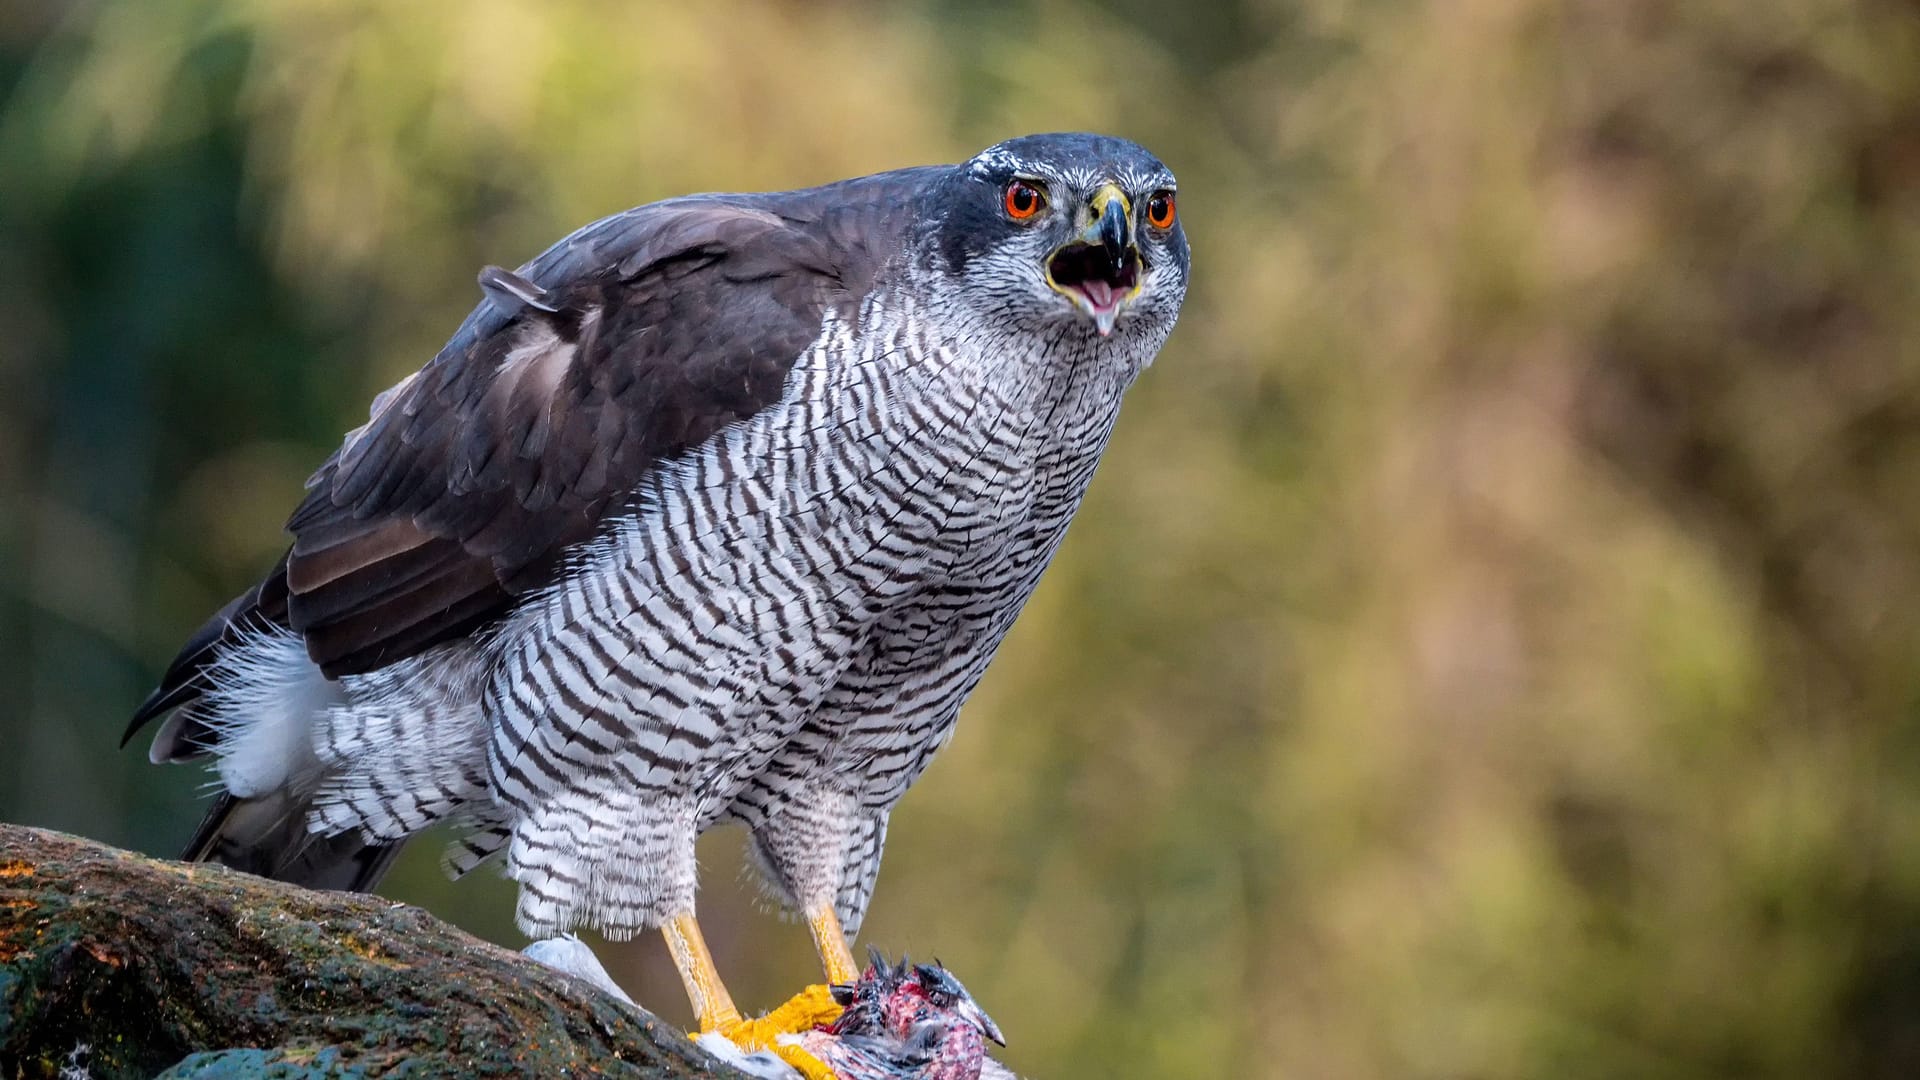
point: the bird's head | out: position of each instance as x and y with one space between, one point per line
1052 230
945 996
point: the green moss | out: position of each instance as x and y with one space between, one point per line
208 973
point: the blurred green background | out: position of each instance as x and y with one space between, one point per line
1490 650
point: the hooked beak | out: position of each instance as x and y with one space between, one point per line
1112 227
1099 271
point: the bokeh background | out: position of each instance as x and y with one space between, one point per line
1490 650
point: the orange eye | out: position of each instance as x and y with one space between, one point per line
1024 200
1160 210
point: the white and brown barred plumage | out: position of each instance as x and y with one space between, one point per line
715 511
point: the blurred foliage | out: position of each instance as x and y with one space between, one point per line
1490 650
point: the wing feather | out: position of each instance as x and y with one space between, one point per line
518 438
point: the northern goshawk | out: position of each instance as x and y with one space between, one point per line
714 511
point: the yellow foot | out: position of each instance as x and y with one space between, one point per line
806 1010
804 1063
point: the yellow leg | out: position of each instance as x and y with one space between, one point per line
711 1002
831 942
714 1006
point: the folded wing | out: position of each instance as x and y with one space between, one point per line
630 342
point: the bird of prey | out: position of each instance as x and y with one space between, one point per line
713 512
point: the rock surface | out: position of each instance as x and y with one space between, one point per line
113 964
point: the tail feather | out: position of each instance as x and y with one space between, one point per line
268 836
244 687
185 736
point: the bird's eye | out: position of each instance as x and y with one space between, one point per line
1160 210
1025 199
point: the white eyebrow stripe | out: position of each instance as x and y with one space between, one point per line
994 159
997 159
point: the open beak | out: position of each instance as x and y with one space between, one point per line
1099 270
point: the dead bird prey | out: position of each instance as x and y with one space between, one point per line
904 1021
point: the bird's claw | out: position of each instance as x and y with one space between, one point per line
810 1008
803 1063
771 1064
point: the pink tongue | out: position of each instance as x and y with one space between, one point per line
1097 291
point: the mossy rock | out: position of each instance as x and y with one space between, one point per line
117 965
